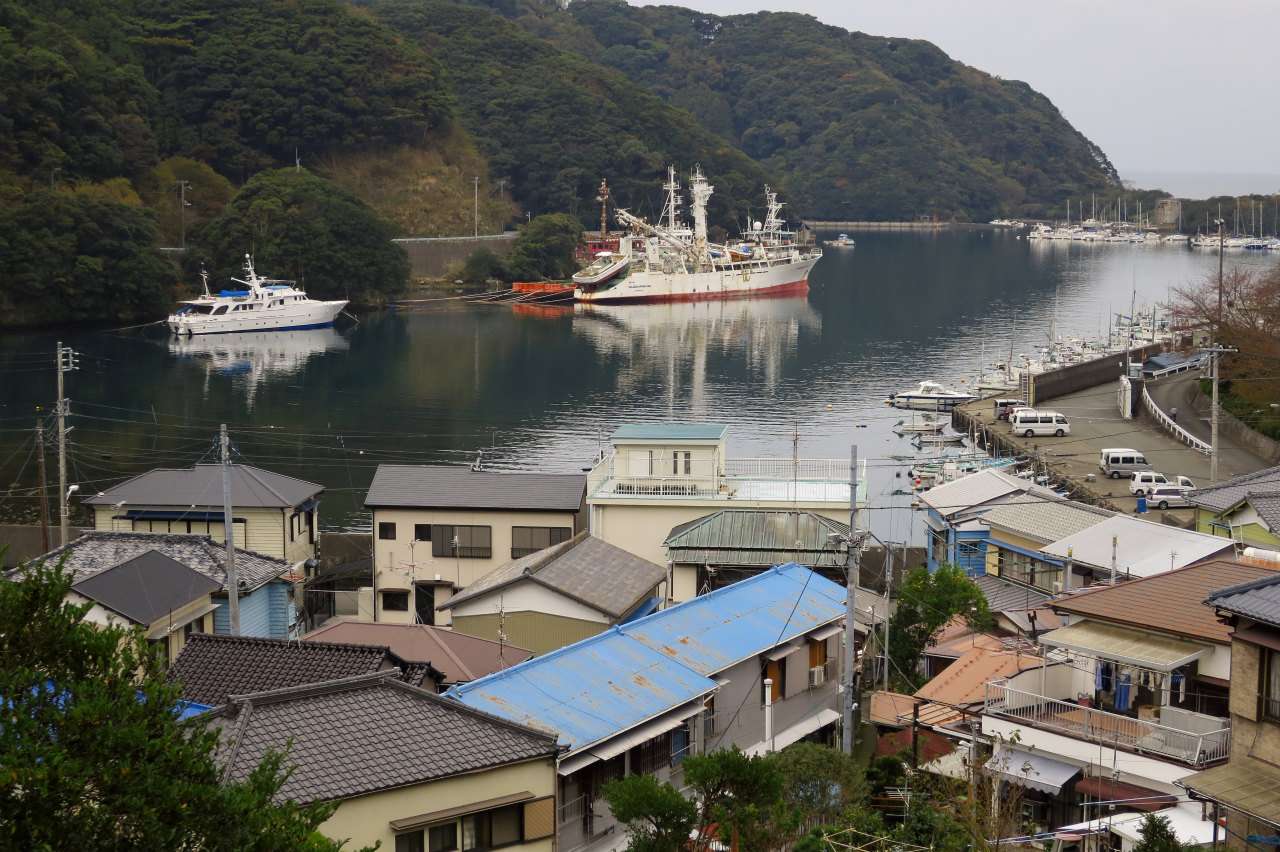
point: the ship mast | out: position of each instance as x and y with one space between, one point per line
604 213
699 192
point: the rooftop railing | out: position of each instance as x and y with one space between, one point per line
1191 738
805 480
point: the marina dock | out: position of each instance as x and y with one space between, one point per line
1071 462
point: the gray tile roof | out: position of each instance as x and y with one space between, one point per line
1267 505
598 574
462 487
212 668
757 537
1004 596
201 487
365 734
1042 519
146 587
1233 492
97 550
1259 599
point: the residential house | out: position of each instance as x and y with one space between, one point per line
169 601
715 550
754 664
414 771
1021 526
272 514
952 513
1247 789
1134 701
438 529
659 476
557 596
1245 509
211 669
1133 547
458 657
267 589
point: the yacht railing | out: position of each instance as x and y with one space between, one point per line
1146 736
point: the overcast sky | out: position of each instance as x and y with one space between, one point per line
1160 85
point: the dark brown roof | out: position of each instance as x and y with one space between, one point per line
211 668
1172 602
458 657
364 734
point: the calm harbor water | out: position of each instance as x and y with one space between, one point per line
543 387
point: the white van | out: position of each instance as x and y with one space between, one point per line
1116 462
1164 496
1143 481
1029 422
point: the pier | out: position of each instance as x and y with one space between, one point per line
1071 462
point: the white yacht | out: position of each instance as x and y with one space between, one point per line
930 396
264 305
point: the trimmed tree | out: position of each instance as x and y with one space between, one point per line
927 602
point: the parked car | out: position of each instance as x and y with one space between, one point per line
1116 462
1142 481
1028 422
1166 496
1005 406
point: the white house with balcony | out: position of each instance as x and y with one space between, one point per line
660 475
1138 697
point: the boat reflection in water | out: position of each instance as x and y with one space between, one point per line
665 340
257 356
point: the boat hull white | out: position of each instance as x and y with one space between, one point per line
928 402
644 285
296 316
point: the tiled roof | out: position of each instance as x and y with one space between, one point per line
459 657
669 432
212 668
932 745
1002 595
758 538
894 709
1267 505
1043 520
965 680
955 637
1257 599
145 588
1143 547
364 734
979 489
463 487
97 550
201 487
595 689
594 572
1172 602
1233 492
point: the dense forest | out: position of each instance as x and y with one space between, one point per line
142 139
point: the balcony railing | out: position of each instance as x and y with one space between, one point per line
806 480
1191 738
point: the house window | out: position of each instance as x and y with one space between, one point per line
395 601
466 542
422 532
681 742
970 548
1271 686
647 758
411 842
938 545
681 463
527 540
386 531
424 603
641 463
775 670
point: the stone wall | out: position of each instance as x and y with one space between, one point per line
1234 430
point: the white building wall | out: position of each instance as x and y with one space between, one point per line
529 597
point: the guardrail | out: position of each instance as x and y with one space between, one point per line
1168 423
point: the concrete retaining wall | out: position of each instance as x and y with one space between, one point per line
1046 386
1231 428
431 257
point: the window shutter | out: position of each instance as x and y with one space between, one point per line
539 818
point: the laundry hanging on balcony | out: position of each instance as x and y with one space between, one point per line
1124 690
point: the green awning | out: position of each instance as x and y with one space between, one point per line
1246 784
1124 645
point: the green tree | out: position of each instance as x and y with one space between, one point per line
927 602
658 818
741 797
93 753
300 226
545 248
1157 835
819 782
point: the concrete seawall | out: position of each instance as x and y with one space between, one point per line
431 257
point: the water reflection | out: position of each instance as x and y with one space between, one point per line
255 357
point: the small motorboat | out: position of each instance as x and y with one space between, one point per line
606 265
930 396
842 241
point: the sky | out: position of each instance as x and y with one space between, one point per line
1182 86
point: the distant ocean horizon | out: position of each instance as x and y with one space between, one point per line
1197 185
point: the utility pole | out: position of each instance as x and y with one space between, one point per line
1215 409
851 595
229 533
44 492
888 595
475 181
66 363
182 211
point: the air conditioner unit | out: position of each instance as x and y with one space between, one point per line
1056 588
817 676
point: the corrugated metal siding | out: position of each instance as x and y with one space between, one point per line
538 632
255 614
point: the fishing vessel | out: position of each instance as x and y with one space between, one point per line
672 262
842 241
263 305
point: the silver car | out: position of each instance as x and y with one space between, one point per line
1168 496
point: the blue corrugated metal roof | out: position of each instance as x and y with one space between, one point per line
669 432
592 690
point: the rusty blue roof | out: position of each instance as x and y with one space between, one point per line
600 687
